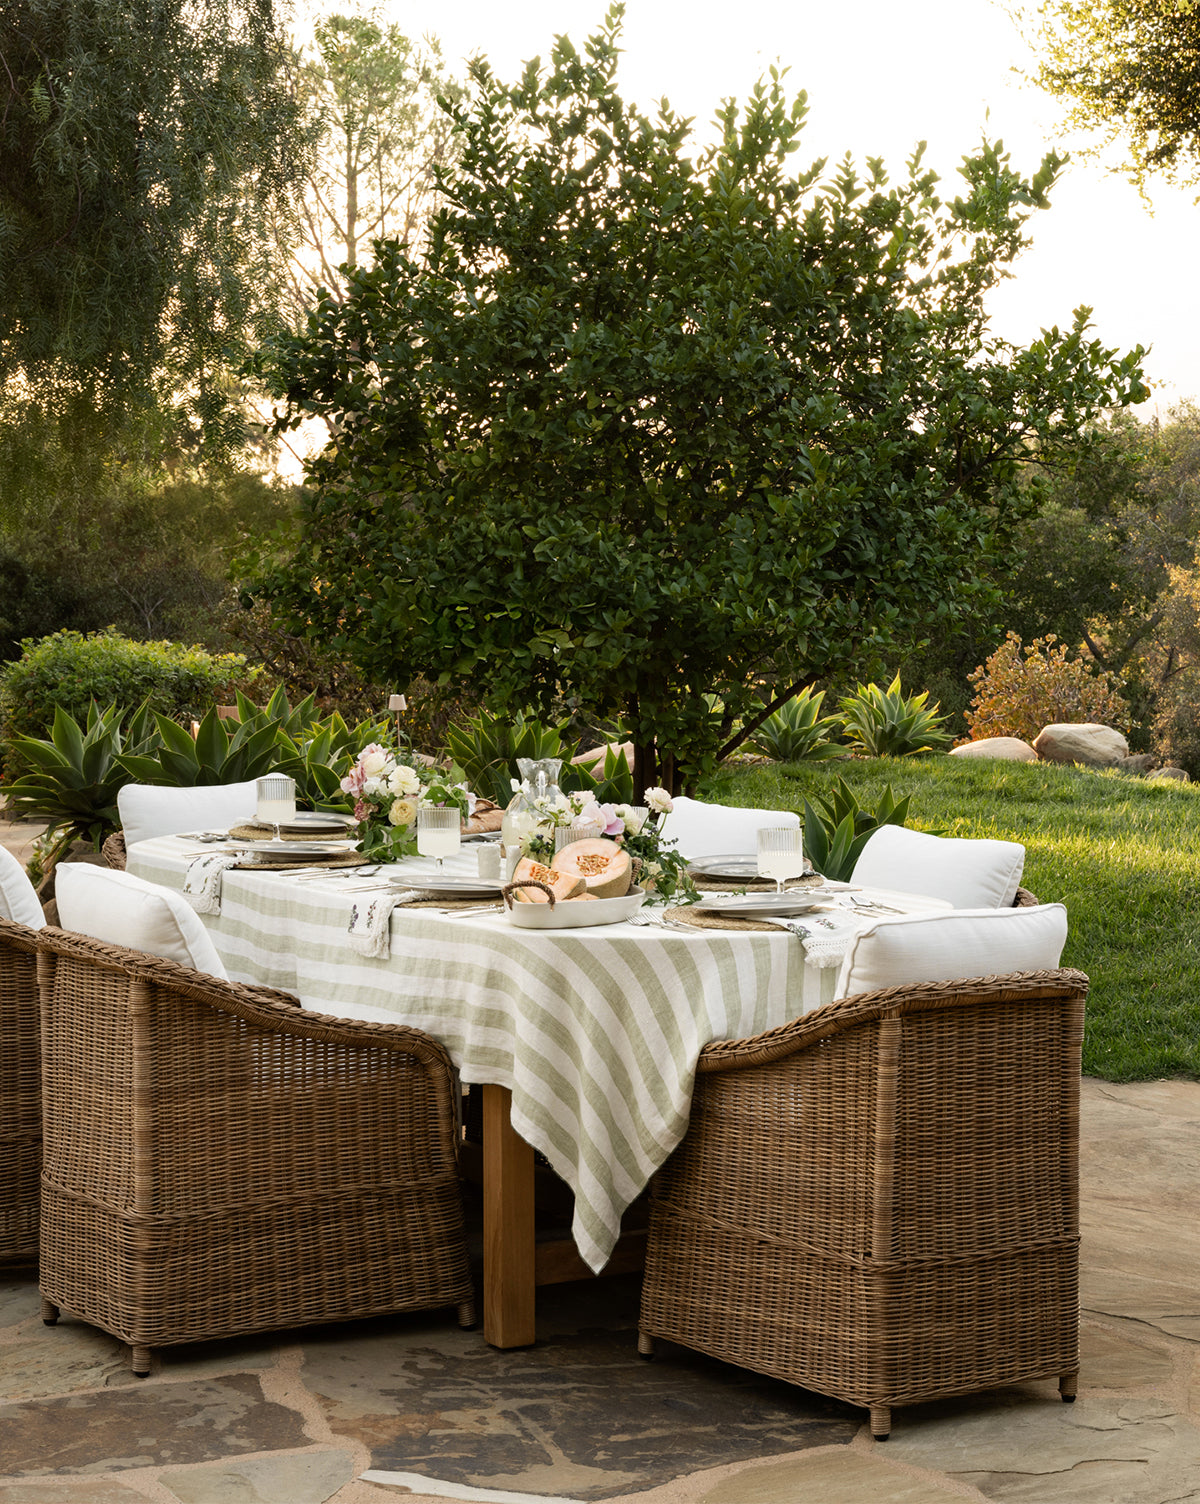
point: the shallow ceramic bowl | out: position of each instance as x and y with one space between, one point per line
571 915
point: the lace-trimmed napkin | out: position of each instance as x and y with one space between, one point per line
202 881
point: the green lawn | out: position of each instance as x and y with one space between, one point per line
1123 854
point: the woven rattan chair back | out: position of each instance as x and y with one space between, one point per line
20 1094
218 1161
879 1202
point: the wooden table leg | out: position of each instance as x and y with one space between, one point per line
508 1224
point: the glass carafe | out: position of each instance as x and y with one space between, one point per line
526 810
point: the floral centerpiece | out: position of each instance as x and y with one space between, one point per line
387 794
657 865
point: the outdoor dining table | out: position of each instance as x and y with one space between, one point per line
584 1041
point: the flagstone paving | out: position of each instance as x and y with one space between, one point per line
340 1415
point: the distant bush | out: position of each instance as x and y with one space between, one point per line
69 671
1020 690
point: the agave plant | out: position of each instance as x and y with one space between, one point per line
76 774
889 723
798 732
835 834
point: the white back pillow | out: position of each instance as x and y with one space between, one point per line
968 874
125 910
147 810
18 901
961 943
702 829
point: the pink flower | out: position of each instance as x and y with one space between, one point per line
614 825
361 811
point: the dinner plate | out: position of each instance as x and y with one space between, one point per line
569 915
307 822
456 887
760 905
734 865
298 848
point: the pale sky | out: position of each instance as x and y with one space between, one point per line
882 75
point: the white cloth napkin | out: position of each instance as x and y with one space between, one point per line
370 927
824 936
202 881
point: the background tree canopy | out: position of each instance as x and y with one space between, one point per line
657 432
1131 69
145 147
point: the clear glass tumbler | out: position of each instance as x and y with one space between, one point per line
275 800
780 853
439 831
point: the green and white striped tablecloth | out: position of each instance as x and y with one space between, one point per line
595 1031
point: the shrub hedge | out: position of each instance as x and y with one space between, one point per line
70 670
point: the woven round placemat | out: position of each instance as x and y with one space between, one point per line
258 833
441 902
262 861
699 920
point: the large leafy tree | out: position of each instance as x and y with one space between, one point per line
146 149
1129 69
370 98
657 430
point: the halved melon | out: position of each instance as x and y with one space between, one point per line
562 884
602 864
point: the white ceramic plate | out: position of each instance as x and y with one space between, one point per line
455 887
571 915
735 866
760 905
307 822
298 848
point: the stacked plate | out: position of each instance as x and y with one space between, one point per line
313 823
761 905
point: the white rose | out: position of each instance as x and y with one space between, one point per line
373 787
403 780
633 816
373 761
402 812
659 801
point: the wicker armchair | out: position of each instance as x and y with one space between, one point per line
113 850
218 1161
20 1094
879 1201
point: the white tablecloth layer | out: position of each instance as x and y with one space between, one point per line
595 1031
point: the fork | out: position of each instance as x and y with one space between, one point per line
881 908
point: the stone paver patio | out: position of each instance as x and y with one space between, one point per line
340 1415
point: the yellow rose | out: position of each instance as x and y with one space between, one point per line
402 812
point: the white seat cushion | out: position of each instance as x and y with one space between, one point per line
961 943
968 874
18 901
125 910
147 810
702 829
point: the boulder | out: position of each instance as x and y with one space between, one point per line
1139 762
1006 748
1176 773
1092 745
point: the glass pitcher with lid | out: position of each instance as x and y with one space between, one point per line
526 809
